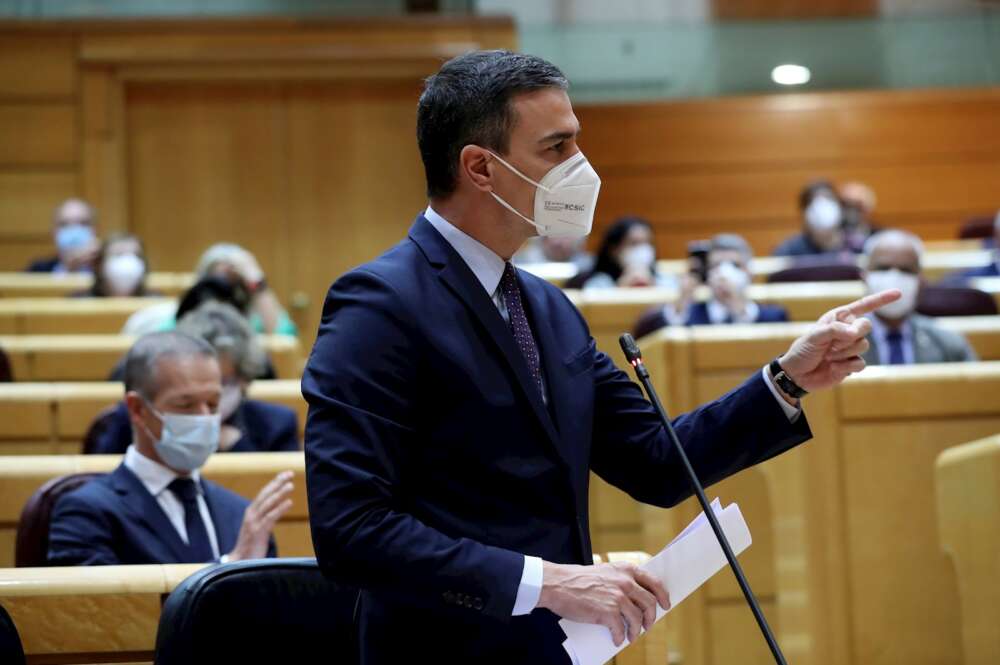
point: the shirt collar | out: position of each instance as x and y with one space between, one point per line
484 263
154 476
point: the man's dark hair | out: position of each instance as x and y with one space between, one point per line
816 188
469 102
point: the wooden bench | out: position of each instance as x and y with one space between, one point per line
244 474
91 357
78 616
47 285
968 514
59 316
845 555
50 418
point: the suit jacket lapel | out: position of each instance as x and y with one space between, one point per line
145 508
459 278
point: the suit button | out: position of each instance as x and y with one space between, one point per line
448 596
477 604
467 602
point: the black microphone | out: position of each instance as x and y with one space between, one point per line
634 357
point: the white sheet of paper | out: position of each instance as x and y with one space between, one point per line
684 565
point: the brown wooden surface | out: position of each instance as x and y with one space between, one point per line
699 167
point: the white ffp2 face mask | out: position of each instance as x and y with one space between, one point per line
823 214
124 273
639 256
729 274
908 285
564 199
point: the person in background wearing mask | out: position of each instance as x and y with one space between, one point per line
120 269
458 405
247 425
899 335
155 508
822 223
626 257
728 279
858 202
74 231
234 263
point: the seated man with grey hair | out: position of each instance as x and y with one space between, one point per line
248 425
155 507
728 272
899 335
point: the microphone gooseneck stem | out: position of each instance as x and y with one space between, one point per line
634 357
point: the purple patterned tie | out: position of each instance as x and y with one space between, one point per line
519 323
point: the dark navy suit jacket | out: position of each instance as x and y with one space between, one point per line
266 428
114 520
433 464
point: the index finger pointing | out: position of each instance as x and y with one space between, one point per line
873 302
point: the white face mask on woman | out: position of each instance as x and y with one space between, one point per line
564 200
823 214
907 283
639 256
123 273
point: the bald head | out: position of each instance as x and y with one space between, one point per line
894 249
859 195
73 211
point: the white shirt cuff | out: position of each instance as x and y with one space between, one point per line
792 412
530 588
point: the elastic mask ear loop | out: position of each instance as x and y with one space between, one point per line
518 173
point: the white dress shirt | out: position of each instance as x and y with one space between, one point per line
488 268
155 477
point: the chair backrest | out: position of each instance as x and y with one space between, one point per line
6 374
102 421
955 301
977 227
264 610
11 651
32 546
810 271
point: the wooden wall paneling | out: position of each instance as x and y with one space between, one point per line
37 135
104 175
28 199
37 66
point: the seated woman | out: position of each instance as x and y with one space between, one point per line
626 257
728 279
120 269
247 425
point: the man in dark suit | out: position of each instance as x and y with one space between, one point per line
458 405
155 507
729 257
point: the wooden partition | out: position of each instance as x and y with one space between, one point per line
699 167
51 418
102 614
91 357
60 316
245 474
968 512
35 285
845 555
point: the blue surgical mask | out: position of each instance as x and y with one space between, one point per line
74 236
187 441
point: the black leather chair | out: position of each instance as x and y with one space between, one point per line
32 546
11 651
259 611
977 227
955 301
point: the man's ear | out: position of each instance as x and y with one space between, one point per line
474 164
135 405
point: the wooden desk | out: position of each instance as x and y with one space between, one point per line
48 285
99 614
245 474
58 316
91 357
51 418
968 519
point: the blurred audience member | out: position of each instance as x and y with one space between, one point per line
990 270
238 266
164 316
899 335
548 249
626 257
858 200
120 268
729 277
74 232
155 508
822 223
247 425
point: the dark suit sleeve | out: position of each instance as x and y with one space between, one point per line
631 449
286 437
362 382
79 534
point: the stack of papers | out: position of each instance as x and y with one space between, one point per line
683 565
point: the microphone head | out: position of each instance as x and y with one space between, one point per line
631 349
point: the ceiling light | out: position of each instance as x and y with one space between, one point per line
790 74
